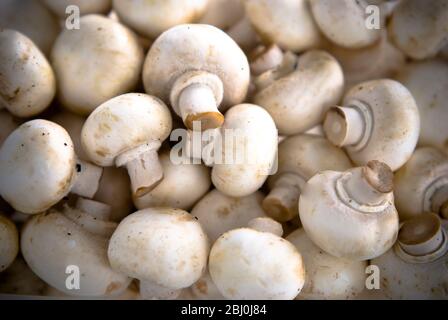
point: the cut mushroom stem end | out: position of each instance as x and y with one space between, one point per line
144 168
265 224
281 203
88 179
343 126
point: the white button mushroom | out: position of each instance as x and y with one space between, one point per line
151 18
99 61
416 267
166 249
223 14
288 23
298 99
427 81
198 69
114 188
38 167
421 185
326 276
27 84
299 158
251 264
418 27
175 190
55 241
31 18
344 22
128 131
9 242
85 6
219 213
351 214
379 121
247 153
7 125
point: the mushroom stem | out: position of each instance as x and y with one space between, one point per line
143 165
265 58
367 185
439 201
265 224
344 126
150 290
96 209
87 179
422 235
282 202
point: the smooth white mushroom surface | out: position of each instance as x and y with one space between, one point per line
100 60
27 84
9 242
59 7
38 167
151 18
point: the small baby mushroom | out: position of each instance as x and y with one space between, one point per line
299 158
248 152
416 267
175 190
27 84
9 242
427 81
421 185
31 18
418 28
59 7
166 249
248 264
198 69
379 120
326 276
151 18
7 125
55 242
288 23
38 167
128 130
343 22
101 60
114 188
351 214
219 213
297 100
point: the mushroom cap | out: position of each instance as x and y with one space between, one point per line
288 23
305 94
99 61
9 242
418 28
123 123
245 163
37 166
31 18
247 264
85 6
151 18
344 22
326 276
196 47
340 229
219 213
306 155
7 125
51 242
396 122
175 190
165 246
223 14
422 170
28 83
427 81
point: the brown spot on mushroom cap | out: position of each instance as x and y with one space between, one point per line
419 229
209 120
379 176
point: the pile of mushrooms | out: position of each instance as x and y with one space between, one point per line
224 149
